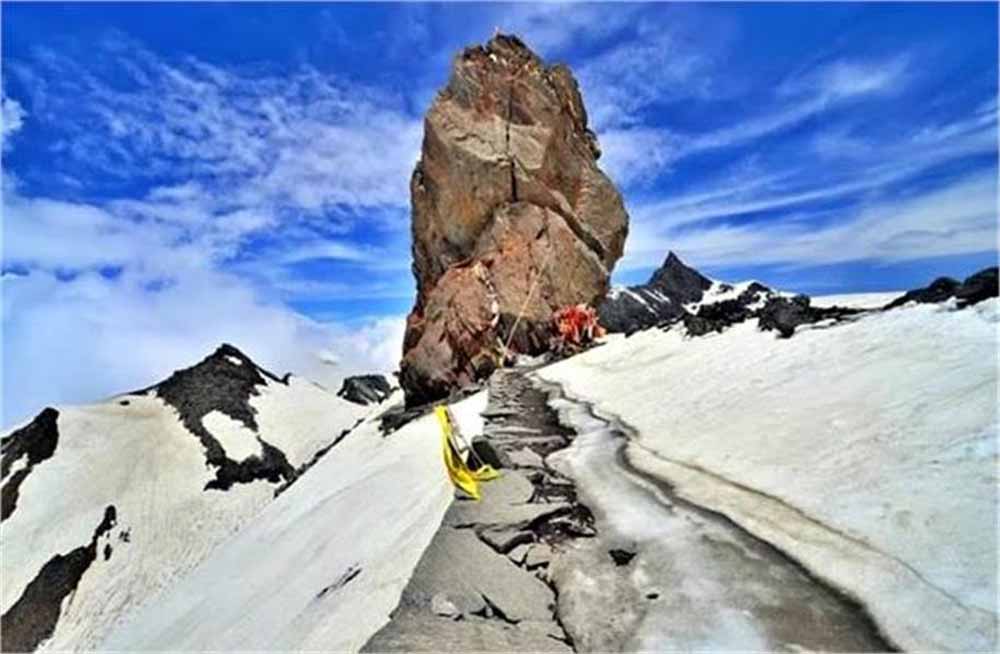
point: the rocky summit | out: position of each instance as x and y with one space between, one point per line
512 218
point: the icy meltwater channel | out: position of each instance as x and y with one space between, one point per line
696 580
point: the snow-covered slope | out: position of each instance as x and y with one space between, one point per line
322 567
866 451
106 505
857 300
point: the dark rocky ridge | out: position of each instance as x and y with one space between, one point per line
33 617
224 381
661 303
976 288
365 389
37 441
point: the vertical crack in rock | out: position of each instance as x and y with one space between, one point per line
33 617
35 443
511 161
224 381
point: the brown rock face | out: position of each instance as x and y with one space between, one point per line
511 216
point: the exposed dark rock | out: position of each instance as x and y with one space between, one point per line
939 290
341 581
512 218
661 300
36 442
976 288
33 617
636 308
365 389
395 417
489 454
755 292
784 314
224 381
621 557
716 317
681 283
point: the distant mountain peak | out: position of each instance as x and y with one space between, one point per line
678 281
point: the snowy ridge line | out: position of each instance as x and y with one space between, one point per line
566 403
308 573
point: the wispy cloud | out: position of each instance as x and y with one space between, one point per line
637 155
306 140
211 161
655 67
959 218
847 78
12 116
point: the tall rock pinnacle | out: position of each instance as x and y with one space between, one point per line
512 218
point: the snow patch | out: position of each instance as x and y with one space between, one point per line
880 431
239 441
365 512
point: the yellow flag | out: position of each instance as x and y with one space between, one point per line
460 473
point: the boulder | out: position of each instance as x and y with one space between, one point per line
976 288
488 453
784 314
365 389
511 217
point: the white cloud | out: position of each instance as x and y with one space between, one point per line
958 218
303 139
12 116
844 79
655 67
636 154
91 337
550 28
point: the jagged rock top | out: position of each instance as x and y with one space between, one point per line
678 281
485 73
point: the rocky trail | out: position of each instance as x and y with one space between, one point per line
574 549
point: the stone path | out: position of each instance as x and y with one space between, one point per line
482 583
573 549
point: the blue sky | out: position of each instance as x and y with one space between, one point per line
176 175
